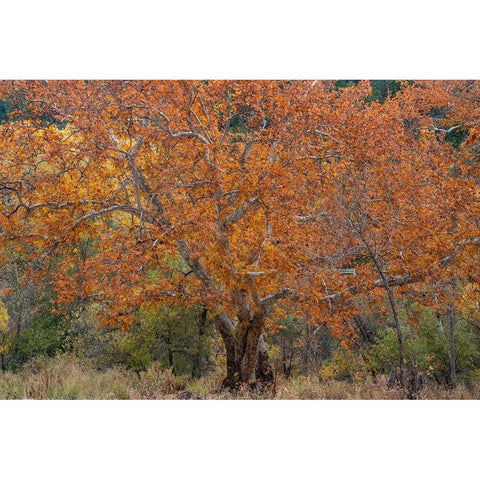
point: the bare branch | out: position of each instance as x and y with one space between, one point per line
242 211
274 297
190 134
98 213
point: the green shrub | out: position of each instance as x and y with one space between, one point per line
427 345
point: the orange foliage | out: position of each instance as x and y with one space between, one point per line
214 191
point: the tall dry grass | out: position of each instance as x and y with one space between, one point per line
65 377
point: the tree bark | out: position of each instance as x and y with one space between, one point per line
247 354
264 372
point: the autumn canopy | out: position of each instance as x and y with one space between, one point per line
252 199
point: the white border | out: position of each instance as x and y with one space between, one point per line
240 39
347 39
239 439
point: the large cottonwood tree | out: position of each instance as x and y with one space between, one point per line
190 192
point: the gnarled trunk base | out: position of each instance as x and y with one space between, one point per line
262 378
264 374
247 355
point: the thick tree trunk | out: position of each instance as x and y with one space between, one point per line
248 345
226 330
247 354
264 372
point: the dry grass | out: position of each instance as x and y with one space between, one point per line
65 377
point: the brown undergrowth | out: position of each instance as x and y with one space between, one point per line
65 377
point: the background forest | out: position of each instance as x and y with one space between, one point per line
386 247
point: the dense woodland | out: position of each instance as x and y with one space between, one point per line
240 238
